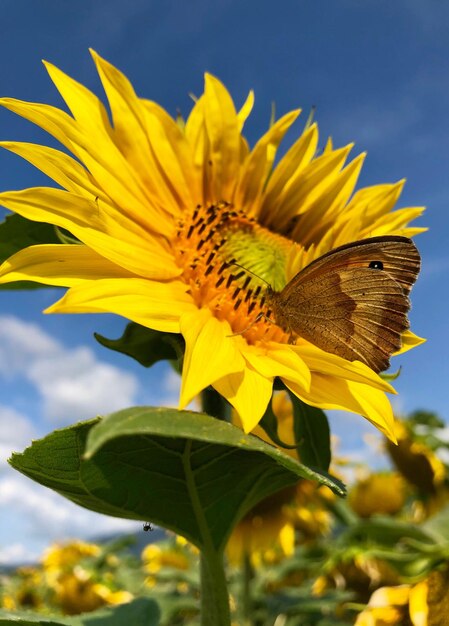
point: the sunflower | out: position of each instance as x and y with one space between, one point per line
398 606
266 534
380 493
171 218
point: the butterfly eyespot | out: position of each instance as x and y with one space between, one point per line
376 265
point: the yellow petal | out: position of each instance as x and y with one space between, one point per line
87 220
287 538
324 212
276 208
55 121
210 353
370 203
59 265
150 303
86 108
390 596
246 109
93 123
249 393
224 139
257 167
130 133
314 182
327 392
319 361
394 222
195 132
275 359
102 159
64 170
409 341
173 154
418 608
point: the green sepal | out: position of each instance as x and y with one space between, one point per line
390 376
269 423
16 233
312 434
145 345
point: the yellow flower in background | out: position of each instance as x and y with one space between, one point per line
382 493
355 568
266 534
164 212
8 602
268 530
398 606
65 556
27 593
386 607
310 510
419 465
170 561
77 592
156 557
77 584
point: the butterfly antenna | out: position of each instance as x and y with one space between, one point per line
250 272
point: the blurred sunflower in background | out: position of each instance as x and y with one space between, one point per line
164 211
423 604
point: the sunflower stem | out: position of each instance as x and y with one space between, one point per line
246 595
214 591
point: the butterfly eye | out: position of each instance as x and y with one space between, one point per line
376 265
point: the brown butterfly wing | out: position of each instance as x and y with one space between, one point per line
353 301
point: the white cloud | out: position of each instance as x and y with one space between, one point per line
73 384
16 553
21 343
16 432
171 384
170 389
43 516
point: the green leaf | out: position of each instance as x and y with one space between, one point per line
141 611
145 345
438 526
25 618
426 418
182 470
387 531
16 232
312 434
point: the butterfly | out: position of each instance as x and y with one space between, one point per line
352 301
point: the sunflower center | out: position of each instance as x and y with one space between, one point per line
229 261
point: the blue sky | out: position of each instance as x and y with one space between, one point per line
378 72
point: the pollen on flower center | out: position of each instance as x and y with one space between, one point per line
229 260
